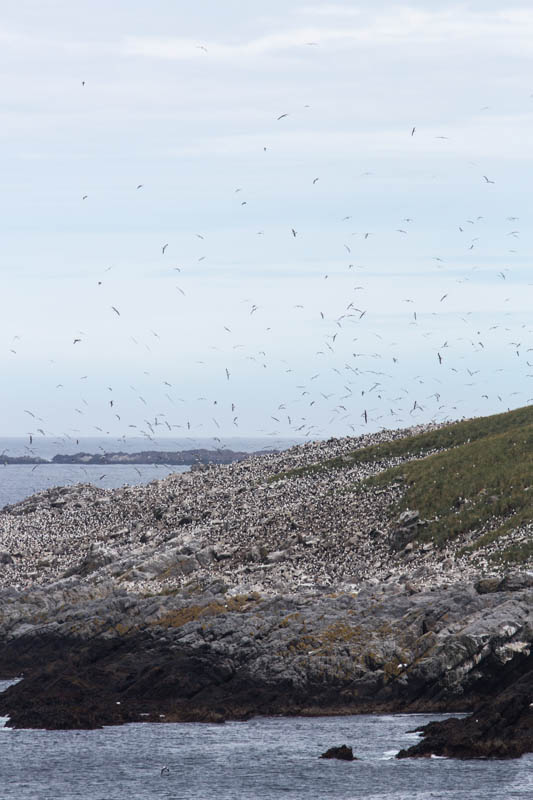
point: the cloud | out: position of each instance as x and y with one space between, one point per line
173 48
329 10
500 29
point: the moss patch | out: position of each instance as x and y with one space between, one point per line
181 616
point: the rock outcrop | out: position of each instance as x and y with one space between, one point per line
99 655
342 753
499 728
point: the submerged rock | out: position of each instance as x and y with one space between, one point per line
343 753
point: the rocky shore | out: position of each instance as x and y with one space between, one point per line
245 589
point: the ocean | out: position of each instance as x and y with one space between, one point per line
262 759
18 481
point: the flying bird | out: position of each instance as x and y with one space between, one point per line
164 248
487 180
116 310
281 116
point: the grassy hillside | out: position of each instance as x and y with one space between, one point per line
480 483
470 476
454 435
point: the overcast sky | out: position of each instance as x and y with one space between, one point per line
393 139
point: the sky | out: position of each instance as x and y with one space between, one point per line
293 219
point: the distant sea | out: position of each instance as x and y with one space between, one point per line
18 481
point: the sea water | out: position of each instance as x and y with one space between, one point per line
18 481
256 760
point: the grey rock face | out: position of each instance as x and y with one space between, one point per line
516 581
405 530
386 648
97 557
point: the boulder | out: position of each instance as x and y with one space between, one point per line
487 585
516 581
408 518
343 753
97 557
499 728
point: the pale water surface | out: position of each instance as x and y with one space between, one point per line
256 760
18 481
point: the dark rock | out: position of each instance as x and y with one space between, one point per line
513 582
159 511
516 581
343 753
487 585
96 558
405 530
499 728
401 537
202 650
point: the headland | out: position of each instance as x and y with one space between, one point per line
389 572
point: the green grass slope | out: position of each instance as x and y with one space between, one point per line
470 476
482 483
454 435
